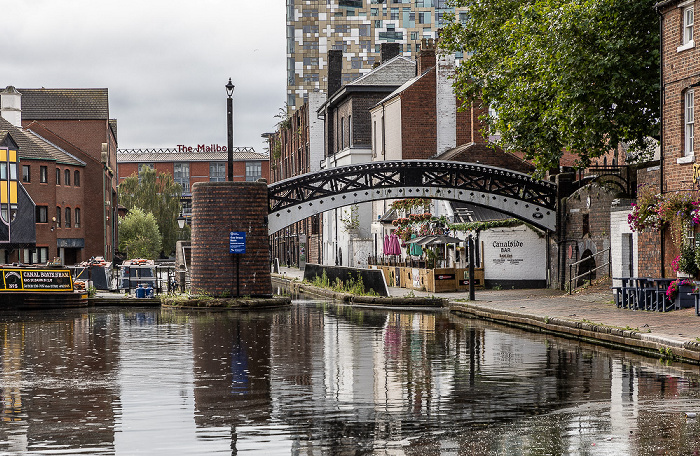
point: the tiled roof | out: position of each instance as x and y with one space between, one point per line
171 155
34 147
393 72
66 104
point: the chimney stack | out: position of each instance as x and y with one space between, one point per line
426 56
388 51
11 106
335 71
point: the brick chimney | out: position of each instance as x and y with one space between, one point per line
426 56
11 106
335 71
388 51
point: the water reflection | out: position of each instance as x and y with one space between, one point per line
321 378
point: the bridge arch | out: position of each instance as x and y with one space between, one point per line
511 192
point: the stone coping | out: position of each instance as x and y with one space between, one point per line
647 344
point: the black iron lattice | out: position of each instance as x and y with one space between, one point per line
411 173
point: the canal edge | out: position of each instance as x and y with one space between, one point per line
608 336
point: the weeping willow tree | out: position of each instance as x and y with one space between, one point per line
158 194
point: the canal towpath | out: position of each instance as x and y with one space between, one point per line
590 314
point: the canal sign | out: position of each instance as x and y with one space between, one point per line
236 242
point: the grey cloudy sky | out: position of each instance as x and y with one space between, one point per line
165 63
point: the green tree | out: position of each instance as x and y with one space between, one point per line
139 236
577 75
159 193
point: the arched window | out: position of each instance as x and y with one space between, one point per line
76 178
68 217
66 177
77 217
58 217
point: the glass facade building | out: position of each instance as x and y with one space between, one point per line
358 28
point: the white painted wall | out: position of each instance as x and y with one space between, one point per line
517 253
619 246
316 134
446 104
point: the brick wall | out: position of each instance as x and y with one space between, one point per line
681 69
217 209
648 243
418 123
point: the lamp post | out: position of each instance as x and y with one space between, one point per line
181 221
229 108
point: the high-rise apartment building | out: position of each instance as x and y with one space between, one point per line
358 28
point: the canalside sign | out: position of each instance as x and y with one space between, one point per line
236 242
35 280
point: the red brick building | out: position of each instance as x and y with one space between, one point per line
680 69
202 163
67 148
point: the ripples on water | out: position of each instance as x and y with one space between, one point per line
327 379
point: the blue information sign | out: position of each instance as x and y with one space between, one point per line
236 242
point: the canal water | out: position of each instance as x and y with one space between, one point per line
326 379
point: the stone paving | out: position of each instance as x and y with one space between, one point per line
594 305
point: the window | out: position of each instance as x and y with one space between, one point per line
40 255
342 28
77 217
58 217
217 171
43 174
688 22
355 63
26 175
365 30
58 176
689 122
342 133
181 175
42 214
76 178
394 14
67 217
66 177
253 171
414 36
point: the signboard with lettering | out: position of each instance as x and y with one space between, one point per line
236 242
35 280
514 254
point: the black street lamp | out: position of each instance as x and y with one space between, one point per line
181 221
229 107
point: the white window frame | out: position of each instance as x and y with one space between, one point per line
689 121
688 22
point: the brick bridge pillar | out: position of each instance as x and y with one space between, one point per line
217 209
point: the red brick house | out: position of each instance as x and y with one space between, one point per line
77 121
680 73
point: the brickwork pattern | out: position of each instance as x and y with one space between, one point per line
681 69
648 242
218 208
418 123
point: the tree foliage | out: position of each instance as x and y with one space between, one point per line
160 195
139 236
577 75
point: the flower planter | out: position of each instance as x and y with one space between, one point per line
685 297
